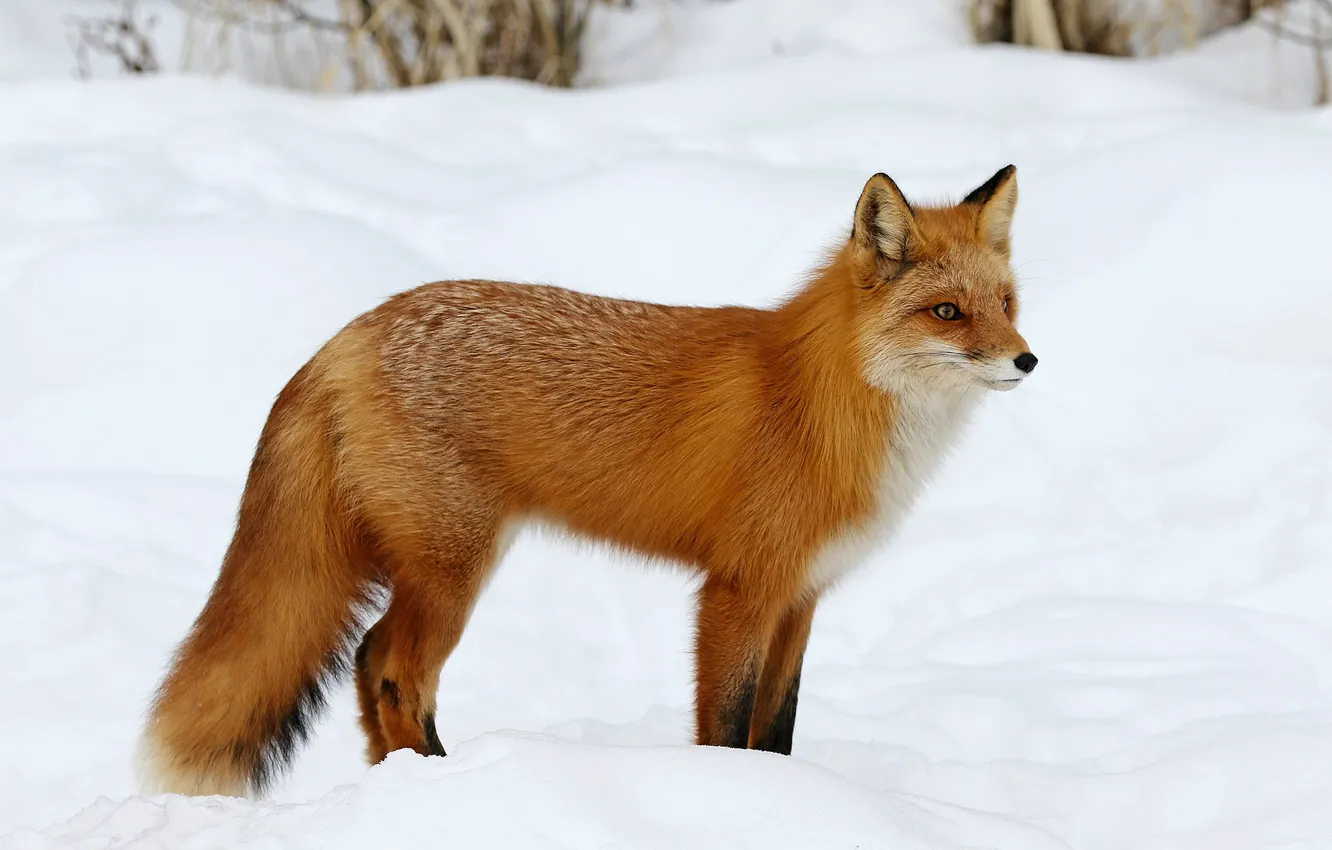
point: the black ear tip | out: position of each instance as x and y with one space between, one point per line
982 193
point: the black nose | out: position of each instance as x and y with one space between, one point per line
1026 361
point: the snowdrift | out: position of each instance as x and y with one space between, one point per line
507 790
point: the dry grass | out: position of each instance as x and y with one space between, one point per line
415 42
356 44
1105 27
400 43
1128 28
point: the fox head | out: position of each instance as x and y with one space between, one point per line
936 294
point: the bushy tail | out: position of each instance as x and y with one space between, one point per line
249 679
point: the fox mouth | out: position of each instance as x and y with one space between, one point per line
1002 384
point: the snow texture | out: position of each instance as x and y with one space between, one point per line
1105 626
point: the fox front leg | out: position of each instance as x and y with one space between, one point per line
734 630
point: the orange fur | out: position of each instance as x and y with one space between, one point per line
765 449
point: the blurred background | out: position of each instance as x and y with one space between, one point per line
359 45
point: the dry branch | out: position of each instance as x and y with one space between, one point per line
123 35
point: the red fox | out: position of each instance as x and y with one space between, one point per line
766 449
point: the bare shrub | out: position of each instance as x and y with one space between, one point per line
1311 27
123 34
1125 28
361 44
414 42
401 43
1090 26
1105 27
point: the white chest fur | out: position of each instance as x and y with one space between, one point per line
927 426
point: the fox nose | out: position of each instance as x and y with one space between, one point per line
1025 361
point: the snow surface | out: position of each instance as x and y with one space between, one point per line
1106 625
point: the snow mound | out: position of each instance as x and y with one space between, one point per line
505 791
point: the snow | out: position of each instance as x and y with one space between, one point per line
1105 626
510 790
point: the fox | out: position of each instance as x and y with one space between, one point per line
770 451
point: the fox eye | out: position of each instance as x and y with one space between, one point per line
947 311
1007 301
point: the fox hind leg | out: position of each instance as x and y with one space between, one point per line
399 661
398 667
368 673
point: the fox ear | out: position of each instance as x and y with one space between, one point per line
997 199
885 226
